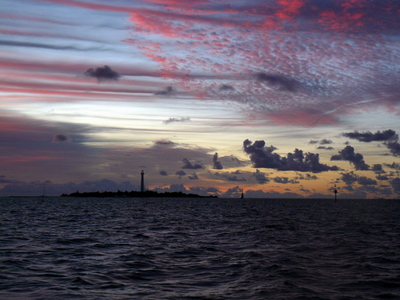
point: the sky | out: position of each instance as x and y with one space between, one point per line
272 98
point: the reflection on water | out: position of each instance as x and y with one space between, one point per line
61 248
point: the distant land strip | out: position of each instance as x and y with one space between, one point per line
134 194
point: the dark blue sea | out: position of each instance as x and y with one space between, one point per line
125 248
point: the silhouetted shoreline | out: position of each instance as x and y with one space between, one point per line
134 194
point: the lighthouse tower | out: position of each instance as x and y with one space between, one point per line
142 181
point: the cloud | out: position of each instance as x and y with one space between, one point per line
395 183
102 73
356 159
324 148
188 165
362 180
349 178
180 173
280 82
394 166
394 148
368 136
172 120
216 163
284 180
193 176
60 138
382 177
260 177
168 91
164 142
163 173
56 189
325 142
263 157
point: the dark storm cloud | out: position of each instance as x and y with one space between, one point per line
356 159
188 165
163 173
280 82
60 138
102 73
263 157
368 136
168 91
394 148
216 163
172 120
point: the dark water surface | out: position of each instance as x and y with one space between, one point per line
66 248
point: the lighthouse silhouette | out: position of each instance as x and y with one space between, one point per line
142 181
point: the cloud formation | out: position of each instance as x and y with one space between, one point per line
173 120
102 73
385 135
356 159
188 165
263 157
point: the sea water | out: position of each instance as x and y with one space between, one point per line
125 248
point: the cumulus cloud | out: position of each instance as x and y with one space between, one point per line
394 148
368 136
356 159
263 157
188 165
102 73
163 173
216 163
174 120
349 178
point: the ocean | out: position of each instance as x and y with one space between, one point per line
157 248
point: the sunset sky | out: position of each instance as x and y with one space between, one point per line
278 98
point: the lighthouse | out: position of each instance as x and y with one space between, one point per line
142 181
